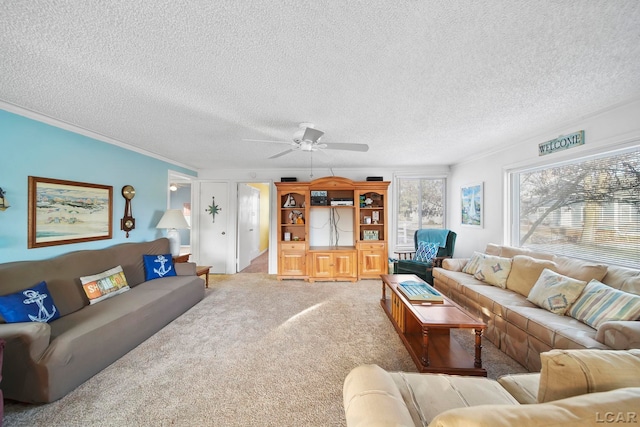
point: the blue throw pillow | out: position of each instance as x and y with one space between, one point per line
157 266
30 305
426 251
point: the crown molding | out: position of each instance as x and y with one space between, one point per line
43 118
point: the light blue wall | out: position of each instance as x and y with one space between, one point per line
29 147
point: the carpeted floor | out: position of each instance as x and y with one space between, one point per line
254 352
259 264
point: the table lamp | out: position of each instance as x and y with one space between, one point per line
172 220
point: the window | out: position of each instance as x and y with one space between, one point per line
421 203
589 208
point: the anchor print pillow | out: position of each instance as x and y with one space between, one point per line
157 266
30 305
104 285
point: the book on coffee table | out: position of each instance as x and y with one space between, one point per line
419 292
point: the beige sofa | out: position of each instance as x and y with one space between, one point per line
574 388
45 361
521 328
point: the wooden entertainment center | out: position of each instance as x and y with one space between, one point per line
332 228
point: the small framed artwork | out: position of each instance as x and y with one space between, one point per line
472 205
369 234
375 216
63 212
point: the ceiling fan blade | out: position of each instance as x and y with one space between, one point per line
275 156
267 140
348 147
311 134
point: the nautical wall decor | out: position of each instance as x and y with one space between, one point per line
213 209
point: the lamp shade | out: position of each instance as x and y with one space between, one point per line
173 218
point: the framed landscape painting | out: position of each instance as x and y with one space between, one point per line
63 212
472 205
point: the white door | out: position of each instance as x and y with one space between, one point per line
213 245
248 225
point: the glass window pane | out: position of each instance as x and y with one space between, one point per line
420 205
588 209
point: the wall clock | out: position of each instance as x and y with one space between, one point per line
128 222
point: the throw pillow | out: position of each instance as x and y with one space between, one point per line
555 292
525 271
494 270
472 265
426 251
30 305
600 303
567 373
104 285
157 266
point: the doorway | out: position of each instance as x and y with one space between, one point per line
253 227
179 197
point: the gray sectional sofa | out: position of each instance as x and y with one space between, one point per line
45 361
524 330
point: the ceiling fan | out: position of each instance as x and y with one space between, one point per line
307 138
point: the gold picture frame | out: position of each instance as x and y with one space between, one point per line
63 212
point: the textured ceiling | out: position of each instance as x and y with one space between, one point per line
422 82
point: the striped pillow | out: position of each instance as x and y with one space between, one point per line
474 262
600 303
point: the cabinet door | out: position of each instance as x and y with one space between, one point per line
293 263
344 264
373 263
322 265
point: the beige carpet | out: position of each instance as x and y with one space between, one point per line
259 264
254 352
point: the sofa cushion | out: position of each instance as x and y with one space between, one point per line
600 303
510 252
549 328
623 278
107 284
525 271
157 266
34 304
428 395
580 269
555 292
595 409
474 262
567 373
524 387
494 270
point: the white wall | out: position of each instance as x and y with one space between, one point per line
617 127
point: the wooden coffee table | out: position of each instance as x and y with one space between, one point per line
425 330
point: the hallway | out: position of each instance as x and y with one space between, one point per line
259 264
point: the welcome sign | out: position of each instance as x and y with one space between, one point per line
561 143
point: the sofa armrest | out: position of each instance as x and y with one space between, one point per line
619 334
454 264
25 341
185 268
371 397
